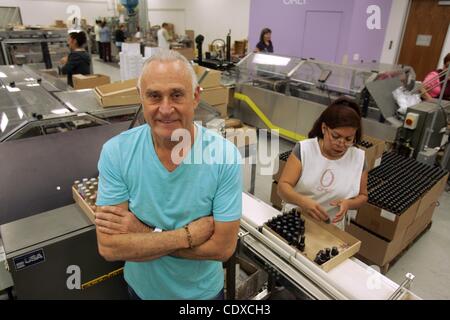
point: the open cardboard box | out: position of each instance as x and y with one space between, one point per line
215 96
120 93
318 236
89 81
212 78
374 153
87 209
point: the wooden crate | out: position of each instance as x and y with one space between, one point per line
83 205
318 236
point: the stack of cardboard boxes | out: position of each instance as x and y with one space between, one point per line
213 92
385 235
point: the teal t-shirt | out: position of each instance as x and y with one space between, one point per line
208 181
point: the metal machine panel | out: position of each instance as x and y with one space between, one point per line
40 250
381 92
426 111
37 173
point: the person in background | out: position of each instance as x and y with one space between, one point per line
138 34
325 176
78 61
105 39
97 28
265 42
163 37
433 84
120 37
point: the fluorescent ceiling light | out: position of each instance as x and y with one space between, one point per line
2 75
33 85
271 60
4 122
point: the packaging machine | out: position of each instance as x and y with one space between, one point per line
46 46
350 280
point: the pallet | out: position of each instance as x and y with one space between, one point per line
385 268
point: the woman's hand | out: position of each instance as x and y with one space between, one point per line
313 209
344 207
63 60
115 220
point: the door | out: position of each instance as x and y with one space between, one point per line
324 47
424 37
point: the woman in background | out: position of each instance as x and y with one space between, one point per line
265 44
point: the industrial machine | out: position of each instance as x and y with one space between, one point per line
46 46
352 279
279 92
33 103
288 94
59 259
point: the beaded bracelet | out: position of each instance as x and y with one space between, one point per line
189 237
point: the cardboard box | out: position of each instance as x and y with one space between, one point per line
379 250
242 137
390 226
418 225
432 196
222 109
383 223
50 72
374 153
212 78
319 236
274 197
190 34
120 93
374 248
89 81
188 53
215 96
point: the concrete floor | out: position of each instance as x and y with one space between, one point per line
428 259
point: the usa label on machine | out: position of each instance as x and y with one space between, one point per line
29 259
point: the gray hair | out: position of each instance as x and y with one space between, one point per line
166 55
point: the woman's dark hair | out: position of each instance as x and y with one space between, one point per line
447 59
341 113
79 37
263 33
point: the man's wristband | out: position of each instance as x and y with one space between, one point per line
189 237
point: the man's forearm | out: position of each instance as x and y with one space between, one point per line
210 250
140 247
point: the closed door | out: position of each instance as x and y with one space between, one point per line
327 24
424 37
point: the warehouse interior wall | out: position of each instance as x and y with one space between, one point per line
306 28
213 19
45 12
394 31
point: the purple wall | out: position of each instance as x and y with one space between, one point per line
289 21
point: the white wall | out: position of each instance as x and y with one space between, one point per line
394 31
45 12
445 49
211 18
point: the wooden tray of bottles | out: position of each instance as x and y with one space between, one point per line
320 235
87 209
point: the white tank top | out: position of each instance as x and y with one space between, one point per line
325 180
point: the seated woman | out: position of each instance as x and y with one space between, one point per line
434 84
78 61
326 175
